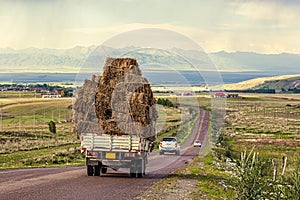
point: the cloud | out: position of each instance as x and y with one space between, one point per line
270 11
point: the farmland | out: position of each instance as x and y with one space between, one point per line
268 124
25 137
271 123
27 142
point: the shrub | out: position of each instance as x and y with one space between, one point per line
52 127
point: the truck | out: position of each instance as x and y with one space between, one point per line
117 151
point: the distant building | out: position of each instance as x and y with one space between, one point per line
219 95
38 90
186 94
233 96
51 96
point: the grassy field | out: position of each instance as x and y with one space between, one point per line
27 142
258 121
268 124
25 137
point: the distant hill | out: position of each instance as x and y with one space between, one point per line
285 85
37 60
70 60
284 63
285 82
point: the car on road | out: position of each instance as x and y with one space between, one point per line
197 143
170 145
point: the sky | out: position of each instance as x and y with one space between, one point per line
263 26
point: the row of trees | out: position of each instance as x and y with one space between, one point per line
165 102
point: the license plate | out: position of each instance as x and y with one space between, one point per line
110 156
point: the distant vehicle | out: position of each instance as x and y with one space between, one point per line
169 144
197 143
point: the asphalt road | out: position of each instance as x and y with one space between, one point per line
73 183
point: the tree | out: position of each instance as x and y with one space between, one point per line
159 101
52 127
64 93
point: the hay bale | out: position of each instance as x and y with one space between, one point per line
124 100
119 101
84 114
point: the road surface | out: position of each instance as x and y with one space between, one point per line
73 183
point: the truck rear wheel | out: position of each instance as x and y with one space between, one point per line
97 170
104 170
90 170
132 174
137 168
141 168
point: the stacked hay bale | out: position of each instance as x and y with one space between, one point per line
124 100
84 114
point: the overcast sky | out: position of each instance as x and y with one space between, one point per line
263 26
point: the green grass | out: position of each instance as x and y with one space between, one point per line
27 142
265 123
68 154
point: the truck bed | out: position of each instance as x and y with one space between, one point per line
115 143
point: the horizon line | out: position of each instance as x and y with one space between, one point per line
90 46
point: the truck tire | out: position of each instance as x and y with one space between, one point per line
132 172
90 170
144 172
103 170
97 170
138 168
161 153
141 168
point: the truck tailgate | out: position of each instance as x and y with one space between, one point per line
105 142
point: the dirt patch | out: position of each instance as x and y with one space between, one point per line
171 188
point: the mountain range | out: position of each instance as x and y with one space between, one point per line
71 60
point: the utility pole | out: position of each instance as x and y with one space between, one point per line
33 121
20 123
1 119
58 115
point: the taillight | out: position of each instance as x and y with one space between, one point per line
129 155
160 144
91 153
83 148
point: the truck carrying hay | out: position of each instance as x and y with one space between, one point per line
115 116
124 101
